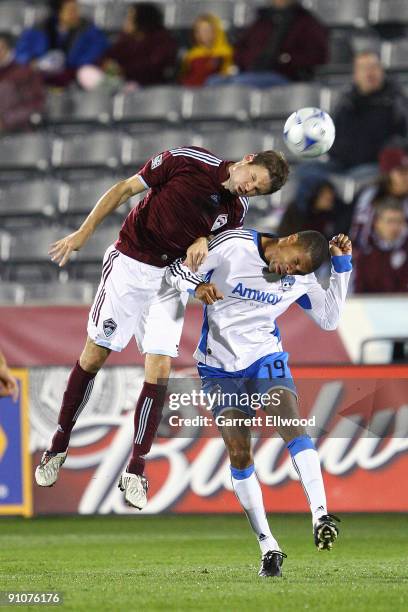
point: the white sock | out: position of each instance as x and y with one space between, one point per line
249 494
307 465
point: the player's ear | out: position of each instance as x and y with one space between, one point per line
249 157
292 238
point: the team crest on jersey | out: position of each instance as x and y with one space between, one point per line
109 326
157 161
219 222
287 282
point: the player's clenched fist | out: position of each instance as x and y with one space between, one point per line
208 293
61 250
340 245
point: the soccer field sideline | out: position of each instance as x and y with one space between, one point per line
194 562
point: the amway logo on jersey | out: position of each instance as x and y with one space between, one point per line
256 295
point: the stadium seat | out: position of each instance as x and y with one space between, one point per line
21 202
79 197
234 144
182 14
95 248
351 13
97 150
330 97
72 292
286 195
12 17
150 104
35 13
111 15
283 100
25 152
345 187
394 55
25 257
11 293
217 103
33 246
90 272
137 150
388 11
79 107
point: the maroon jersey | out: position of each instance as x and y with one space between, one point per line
185 201
379 269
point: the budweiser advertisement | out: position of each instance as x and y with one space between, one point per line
357 415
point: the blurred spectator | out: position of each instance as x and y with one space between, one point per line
382 266
393 182
145 51
8 384
211 53
62 44
22 90
368 115
285 43
316 206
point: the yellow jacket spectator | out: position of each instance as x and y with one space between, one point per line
211 53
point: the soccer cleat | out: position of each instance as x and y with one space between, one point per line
135 488
325 531
46 473
271 564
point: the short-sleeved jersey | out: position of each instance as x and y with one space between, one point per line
241 328
185 201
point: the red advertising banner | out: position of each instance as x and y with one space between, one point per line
360 430
55 335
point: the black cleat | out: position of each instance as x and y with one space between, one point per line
326 531
271 564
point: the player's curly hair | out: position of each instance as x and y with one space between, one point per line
316 245
277 166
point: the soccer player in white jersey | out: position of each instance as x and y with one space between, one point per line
254 278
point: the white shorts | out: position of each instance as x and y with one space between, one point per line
133 299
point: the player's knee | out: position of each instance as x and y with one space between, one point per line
92 358
157 367
240 456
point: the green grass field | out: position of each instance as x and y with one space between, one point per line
205 563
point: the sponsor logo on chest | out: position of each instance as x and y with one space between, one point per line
256 295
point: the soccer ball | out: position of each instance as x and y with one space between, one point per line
309 132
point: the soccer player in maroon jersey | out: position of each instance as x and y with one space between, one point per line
192 194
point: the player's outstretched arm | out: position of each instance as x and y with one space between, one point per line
61 250
325 306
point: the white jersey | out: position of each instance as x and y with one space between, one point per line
242 328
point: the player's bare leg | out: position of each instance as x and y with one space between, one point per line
237 439
75 398
147 419
307 465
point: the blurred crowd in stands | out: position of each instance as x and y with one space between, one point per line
286 43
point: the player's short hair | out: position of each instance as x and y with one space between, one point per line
316 245
277 166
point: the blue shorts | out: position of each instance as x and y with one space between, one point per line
244 389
